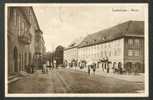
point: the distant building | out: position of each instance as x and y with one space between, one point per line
119 46
22 29
39 48
58 55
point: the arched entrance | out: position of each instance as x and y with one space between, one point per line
15 59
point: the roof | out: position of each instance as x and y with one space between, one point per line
129 28
75 43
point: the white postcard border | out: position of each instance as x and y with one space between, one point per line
146 90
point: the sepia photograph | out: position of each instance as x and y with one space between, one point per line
76 50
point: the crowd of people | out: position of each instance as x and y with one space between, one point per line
45 66
91 66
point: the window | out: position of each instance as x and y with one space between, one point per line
19 26
101 53
115 52
118 51
105 53
137 43
11 11
109 53
130 43
23 29
15 18
102 46
30 16
130 53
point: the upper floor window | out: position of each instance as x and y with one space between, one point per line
101 53
15 18
118 51
130 43
19 26
137 43
105 53
115 52
110 53
23 29
10 11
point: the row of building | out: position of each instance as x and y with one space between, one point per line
25 41
119 46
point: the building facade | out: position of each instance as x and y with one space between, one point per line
39 48
115 48
71 52
21 32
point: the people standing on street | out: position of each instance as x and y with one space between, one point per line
44 68
51 66
32 68
107 67
94 68
48 65
120 67
54 65
32 65
89 70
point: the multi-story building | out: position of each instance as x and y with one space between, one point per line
22 29
119 46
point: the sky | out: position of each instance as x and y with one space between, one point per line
63 23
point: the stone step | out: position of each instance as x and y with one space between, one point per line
12 76
13 79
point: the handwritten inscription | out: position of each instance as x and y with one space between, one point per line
124 10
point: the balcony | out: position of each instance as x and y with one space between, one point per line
25 38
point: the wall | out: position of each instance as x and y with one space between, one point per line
71 54
19 24
112 50
134 53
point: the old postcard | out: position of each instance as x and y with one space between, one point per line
76 50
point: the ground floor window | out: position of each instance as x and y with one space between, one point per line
134 67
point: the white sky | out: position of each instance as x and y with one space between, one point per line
61 24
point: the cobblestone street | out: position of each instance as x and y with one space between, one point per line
73 81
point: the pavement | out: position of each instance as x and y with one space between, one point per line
65 80
139 78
